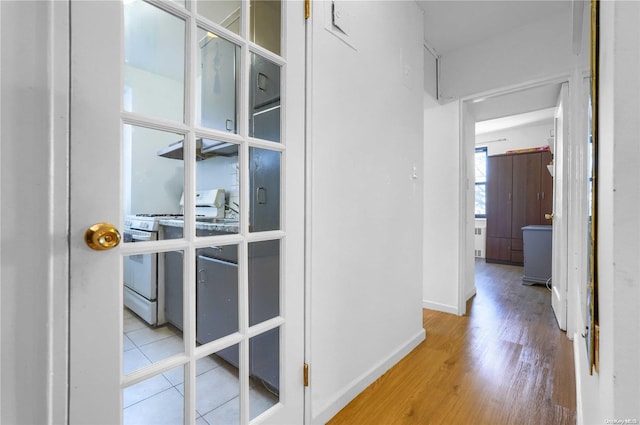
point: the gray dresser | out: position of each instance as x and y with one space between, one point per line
537 254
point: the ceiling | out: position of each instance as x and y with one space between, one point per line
452 25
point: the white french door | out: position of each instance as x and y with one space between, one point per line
219 85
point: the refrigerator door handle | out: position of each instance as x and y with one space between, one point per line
261 195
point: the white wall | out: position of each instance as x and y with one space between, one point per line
152 184
531 52
441 207
153 94
430 73
33 208
530 136
366 208
614 391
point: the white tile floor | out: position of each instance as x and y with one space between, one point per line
159 400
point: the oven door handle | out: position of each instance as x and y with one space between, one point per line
133 236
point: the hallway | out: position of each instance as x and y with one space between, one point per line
507 362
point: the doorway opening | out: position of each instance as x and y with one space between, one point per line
513 145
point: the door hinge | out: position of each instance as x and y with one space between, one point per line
307 9
305 374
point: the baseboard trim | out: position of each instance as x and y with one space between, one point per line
577 366
471 293
429 305
362 382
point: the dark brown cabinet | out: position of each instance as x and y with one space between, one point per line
519 193
499 201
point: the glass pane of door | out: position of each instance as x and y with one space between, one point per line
264 97
264 369
217 312
218 75
218 387
154 61
264 281
264 189
226 13
218 188
152 315
153 182
265 24
154 401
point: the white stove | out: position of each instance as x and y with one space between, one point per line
146 222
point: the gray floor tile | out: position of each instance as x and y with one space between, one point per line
144 390
260 400
127 344
133 360
202 366
227 414
133 323
163 348
214 388
165 408
146 335
201 421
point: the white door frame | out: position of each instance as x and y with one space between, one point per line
577 183
48 84
466 244
560 208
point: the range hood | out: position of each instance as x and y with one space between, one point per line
205 148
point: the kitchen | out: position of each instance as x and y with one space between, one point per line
155 210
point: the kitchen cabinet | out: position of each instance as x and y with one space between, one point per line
173 266
217 298
173 271
519 193
217 303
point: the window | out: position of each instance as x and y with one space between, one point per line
481 182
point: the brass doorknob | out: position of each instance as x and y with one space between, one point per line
548 216
102 236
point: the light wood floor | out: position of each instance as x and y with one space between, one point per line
506 362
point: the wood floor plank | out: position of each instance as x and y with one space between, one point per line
506 362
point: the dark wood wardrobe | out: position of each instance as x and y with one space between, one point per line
519 193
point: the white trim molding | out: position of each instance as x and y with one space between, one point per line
444 308
363 381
